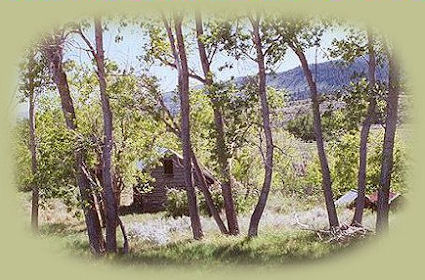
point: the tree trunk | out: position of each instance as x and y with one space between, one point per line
364 134
185 129
222 155
54 53
33 150
207 194
100 208
388 146
97 175
268 164
108 190
125 247
317 126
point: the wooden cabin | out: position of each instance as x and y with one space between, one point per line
349 200
394 200
168 174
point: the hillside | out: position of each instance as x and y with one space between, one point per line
331 76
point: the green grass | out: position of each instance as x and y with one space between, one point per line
274 245
271 248
266 249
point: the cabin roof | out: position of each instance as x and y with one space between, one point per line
347 198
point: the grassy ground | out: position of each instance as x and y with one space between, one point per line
156 239
268 248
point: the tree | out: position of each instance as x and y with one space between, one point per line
33 81
108 191
264 47
370 115
158 50
53 49
268 163
359 44
388 145
221 147
152 101
180 60
109 199
300 35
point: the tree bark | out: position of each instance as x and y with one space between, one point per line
33 147
388 146
268 163
222 155
317 126
108 190
125 247
54 53
207 194
185 128
175 128
364 134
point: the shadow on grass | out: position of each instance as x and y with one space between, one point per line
267 249
286 248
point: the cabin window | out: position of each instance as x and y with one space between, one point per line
168 166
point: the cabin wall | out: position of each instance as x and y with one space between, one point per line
155 200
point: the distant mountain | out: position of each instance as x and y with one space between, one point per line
331 76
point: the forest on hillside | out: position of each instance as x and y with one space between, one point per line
183 137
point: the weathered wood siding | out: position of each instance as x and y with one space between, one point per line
155 200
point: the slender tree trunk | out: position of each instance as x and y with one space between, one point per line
388 146
317 125
54 53
175 128
364 134
222 155
124 235
185 129
97 174
100 208
108 190
207 194
268 164
33 150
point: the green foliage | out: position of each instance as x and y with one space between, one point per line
290 159
399 178
333 125
55 158
247 167
343 157
176 204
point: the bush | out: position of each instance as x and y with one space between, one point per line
177 206
343 158
302 126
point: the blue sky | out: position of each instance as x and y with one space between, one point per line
126 52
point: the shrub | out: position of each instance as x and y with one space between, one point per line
177 206
343 158
333 124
